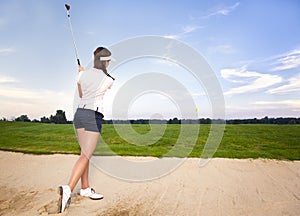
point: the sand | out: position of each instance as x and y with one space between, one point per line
29 184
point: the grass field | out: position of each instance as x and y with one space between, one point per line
239 141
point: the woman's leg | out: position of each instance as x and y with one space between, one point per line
88 141
77 171
85 177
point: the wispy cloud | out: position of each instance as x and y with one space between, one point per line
192 28
6 79
254 81
188 29
222 11
7 51
33 102
289 103
222 49
287 61
292 86
283 108
20 93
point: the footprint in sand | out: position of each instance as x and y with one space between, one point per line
49 208
20 202
52 207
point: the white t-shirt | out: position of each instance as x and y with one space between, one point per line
94 83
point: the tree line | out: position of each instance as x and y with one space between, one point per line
265 120
60 118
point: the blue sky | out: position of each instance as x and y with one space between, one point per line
253 47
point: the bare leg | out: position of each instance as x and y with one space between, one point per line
85 177
85 174
88 141
78 170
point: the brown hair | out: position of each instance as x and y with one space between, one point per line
100 52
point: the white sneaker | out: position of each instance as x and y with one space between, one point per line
65 197
90 192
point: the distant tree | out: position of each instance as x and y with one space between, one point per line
22 118
45 120
52 119
174 121
282 120
35 120
59 118
105 121
265 120
205 121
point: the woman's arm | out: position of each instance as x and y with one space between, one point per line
78 85
79 90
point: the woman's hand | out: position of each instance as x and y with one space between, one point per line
80 68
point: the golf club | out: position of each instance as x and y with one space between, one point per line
74 43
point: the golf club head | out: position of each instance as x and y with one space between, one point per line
67 7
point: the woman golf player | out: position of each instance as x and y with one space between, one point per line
92 85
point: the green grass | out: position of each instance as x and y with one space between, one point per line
239 141
37 138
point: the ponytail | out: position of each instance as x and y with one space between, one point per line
98 53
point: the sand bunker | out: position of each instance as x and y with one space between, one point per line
28 185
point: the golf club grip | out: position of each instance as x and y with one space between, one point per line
78 61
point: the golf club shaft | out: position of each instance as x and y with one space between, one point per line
74 43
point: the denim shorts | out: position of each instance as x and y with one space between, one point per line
88 119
